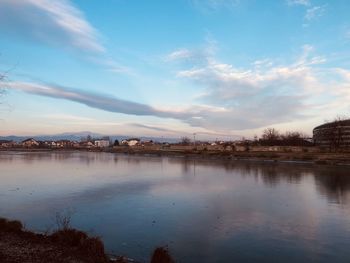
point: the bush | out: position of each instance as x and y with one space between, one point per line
161 255
69 237
91 246
10 226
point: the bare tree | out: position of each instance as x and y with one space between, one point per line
270 136
185 141
294 138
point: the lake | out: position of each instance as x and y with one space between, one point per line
205 211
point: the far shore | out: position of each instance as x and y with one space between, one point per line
310 157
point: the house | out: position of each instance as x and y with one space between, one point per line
131 142
30 143
147 143
86 144
6 144
64 144
102 143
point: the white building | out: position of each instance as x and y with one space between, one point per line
131 142
30 143
102 143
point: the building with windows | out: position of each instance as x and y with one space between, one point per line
333 134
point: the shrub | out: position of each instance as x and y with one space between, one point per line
161 255
10 226
91 246
69 237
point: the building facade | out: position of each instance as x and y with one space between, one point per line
333 135
102 143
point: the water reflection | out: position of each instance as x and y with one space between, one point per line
334 184
206 211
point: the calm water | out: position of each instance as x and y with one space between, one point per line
204 211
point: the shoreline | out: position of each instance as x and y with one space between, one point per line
315 158
66 244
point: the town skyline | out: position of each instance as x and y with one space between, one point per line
214 68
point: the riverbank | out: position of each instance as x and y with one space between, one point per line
312 157
66 245
321 158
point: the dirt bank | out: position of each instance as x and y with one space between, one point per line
63 246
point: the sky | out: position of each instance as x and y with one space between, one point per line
217 68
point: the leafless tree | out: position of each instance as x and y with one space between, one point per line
63 219
294 138
270 136
185 141
273 137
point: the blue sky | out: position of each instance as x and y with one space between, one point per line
172 68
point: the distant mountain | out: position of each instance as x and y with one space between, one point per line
78 136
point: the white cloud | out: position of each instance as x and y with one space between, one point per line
314 12
265 94
179 54
66 117
298 2
233 98
184 55
55 22
214 5
347 34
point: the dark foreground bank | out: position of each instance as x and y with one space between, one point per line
66 245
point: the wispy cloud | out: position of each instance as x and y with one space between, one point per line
299 2
181 53
263 95
214 5
190 134
231 98
98 101
156 128
112 104
188 56
314 12
66 117
54 22
347 34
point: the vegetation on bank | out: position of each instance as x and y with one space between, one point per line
18 245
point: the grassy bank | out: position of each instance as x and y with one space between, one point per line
328 158
315 157
65 245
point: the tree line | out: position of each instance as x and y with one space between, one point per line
272 137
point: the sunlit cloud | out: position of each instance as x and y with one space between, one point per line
56 23
231 98
269 93
53 22
66 117
93 100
